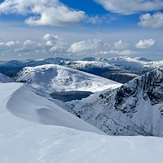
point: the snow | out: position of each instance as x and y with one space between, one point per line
26 139
128 63
43 111
135 108
92 64
54 78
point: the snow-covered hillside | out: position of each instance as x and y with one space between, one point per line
135 108
5 79
54 78
23 141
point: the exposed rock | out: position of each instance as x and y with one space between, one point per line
136 108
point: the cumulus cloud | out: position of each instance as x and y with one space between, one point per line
151 21
50 39
10 43
49 44
144 44
29 43
88 46
127 7
121 44
45 12
54 43
27 47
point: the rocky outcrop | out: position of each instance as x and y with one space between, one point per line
136 108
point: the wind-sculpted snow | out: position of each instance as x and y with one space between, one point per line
6 90
27 105
23 141
135 108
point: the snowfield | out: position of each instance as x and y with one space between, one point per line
34 130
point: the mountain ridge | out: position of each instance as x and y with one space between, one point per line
112 68
135 108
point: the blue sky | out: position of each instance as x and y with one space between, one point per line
80 28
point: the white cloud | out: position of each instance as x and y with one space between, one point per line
151 21
46 12
27 46
48 45
144 44
94 19
101 19
50 39
84 45
10 43
54 43
91 45
131 6
121 44
2 43
30 43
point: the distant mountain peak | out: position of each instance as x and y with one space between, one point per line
5 79
143 59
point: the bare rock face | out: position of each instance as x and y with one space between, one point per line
149 86
135 108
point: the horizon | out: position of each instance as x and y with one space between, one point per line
95 28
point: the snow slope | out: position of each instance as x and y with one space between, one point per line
27 105
23 141
135 108
54 78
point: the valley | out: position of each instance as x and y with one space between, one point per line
53 109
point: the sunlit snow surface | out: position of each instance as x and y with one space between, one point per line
54 78
24 141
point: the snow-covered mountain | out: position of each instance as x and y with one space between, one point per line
34 130
135 108
12 67
50 78
97 66
120 69
5 79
